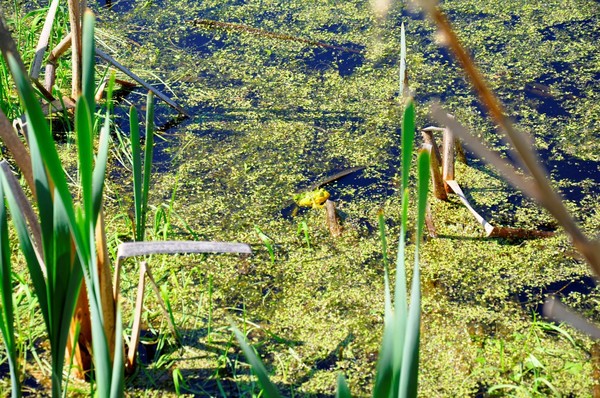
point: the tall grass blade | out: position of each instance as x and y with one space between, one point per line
148 154
134 133
6 300
118 370
386 267
39 130
269 389
342 388
88 84
410 365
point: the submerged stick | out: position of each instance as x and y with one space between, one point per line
333 220
336 177
265 33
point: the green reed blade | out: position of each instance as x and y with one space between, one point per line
99 173
6 300
386 268
118 378
408 139
40 134
410 366
134 134
102 157
83 128
88 56
269 389
384 374
148 154
26 245
423 162
342 388
65 290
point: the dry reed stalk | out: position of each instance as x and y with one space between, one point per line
17 149
427 134
137 321
43 41
49 76
107 298
75 21
60 48
539 188
439 190
448 159
58 106
460 151
489 229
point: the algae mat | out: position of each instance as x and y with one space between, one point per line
272 116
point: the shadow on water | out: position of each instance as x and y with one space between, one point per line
322 59
532 298
231 364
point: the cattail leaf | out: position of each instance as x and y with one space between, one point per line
88 56
84 127
118 377
408 139
134 134
6 300
384 374
269 389
26 245
148 154
342 388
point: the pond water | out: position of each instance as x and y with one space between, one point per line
274 111
283 94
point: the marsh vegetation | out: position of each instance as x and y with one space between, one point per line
272 117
